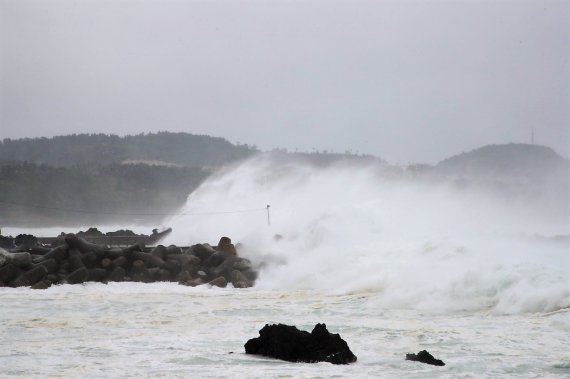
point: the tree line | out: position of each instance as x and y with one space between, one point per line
99 178
36 195
176 148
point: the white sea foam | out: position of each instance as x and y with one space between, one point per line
134 330
350 229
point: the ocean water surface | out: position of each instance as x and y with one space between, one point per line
395 266
129 330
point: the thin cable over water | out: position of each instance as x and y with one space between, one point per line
6 204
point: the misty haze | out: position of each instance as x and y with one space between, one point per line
175 175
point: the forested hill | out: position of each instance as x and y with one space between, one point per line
175 148
506 161
84 179
96 178
518 173
93 179
39 195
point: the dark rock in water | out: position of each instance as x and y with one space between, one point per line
21 260
42 285
36 274
242 264
119 262
158 251
173 266
51 265
121 233
113 253
202 251
193 269
106 263
173 250
96 275
117 275
91 232
183 277
153 273
8 272
7 242
424 357
184 259
239 280
127 251
90 259
25 241
225 245
78 276
79 243
194 283
163 275
139 272
250 274
291 344
153 261
58 253
74 259
53 278
241 284
224 241
63 271
30 277
219 282
58 241
223 268
215 259
39 250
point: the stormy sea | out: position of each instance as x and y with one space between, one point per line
394 263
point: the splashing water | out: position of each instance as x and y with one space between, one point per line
349 229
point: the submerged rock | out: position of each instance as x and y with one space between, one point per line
424 357
291 344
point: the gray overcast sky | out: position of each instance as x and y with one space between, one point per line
409 81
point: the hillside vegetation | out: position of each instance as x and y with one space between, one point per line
97 178
35 194
506 161
176 148
528 174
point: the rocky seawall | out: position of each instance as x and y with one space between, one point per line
75 260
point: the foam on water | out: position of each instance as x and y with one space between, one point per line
134 330
353 229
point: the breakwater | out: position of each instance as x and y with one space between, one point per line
76 260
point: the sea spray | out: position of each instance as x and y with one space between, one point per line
414 244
